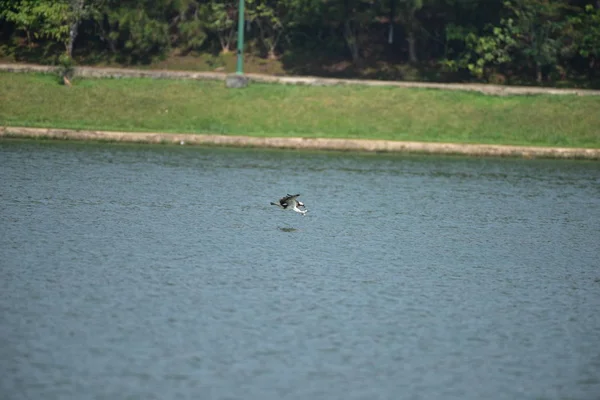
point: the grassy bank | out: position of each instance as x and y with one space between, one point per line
286 111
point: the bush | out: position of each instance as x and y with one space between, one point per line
65 69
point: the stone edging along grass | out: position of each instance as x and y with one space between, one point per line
497 90
304 143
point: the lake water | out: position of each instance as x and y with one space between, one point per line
162 272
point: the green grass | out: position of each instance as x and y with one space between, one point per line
278 110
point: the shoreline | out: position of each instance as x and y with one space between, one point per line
118 73
299 143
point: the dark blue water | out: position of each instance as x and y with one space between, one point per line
162 272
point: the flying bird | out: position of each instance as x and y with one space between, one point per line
290 202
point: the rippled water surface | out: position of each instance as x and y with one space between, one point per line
162 272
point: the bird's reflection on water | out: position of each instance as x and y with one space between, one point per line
285 229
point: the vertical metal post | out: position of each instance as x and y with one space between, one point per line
240 43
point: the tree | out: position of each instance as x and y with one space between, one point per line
189 24
38 19
78 11
586 34
517 38
136 30
410 22
223 21
353 18
486 51
46 19
271 17
537 31
530 34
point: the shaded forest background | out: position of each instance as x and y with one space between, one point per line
541 42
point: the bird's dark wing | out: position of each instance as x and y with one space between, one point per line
289 197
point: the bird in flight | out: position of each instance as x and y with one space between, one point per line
290 202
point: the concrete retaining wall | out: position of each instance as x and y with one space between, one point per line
306 143
94 72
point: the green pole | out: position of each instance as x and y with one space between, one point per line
240 44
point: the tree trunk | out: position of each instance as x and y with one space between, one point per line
105 33
412 51
77 10
224 43
29 42
350 35
351 40
72 37
227 41
538 72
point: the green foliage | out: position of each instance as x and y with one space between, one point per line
538 30
141 36
192 34
271 17
191 22
586 32
38 19
484 52
533 34
221 19
530 39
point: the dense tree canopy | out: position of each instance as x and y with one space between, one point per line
486 40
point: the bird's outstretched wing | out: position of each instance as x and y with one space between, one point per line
290 199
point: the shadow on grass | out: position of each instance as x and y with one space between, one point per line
375 67
378 63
